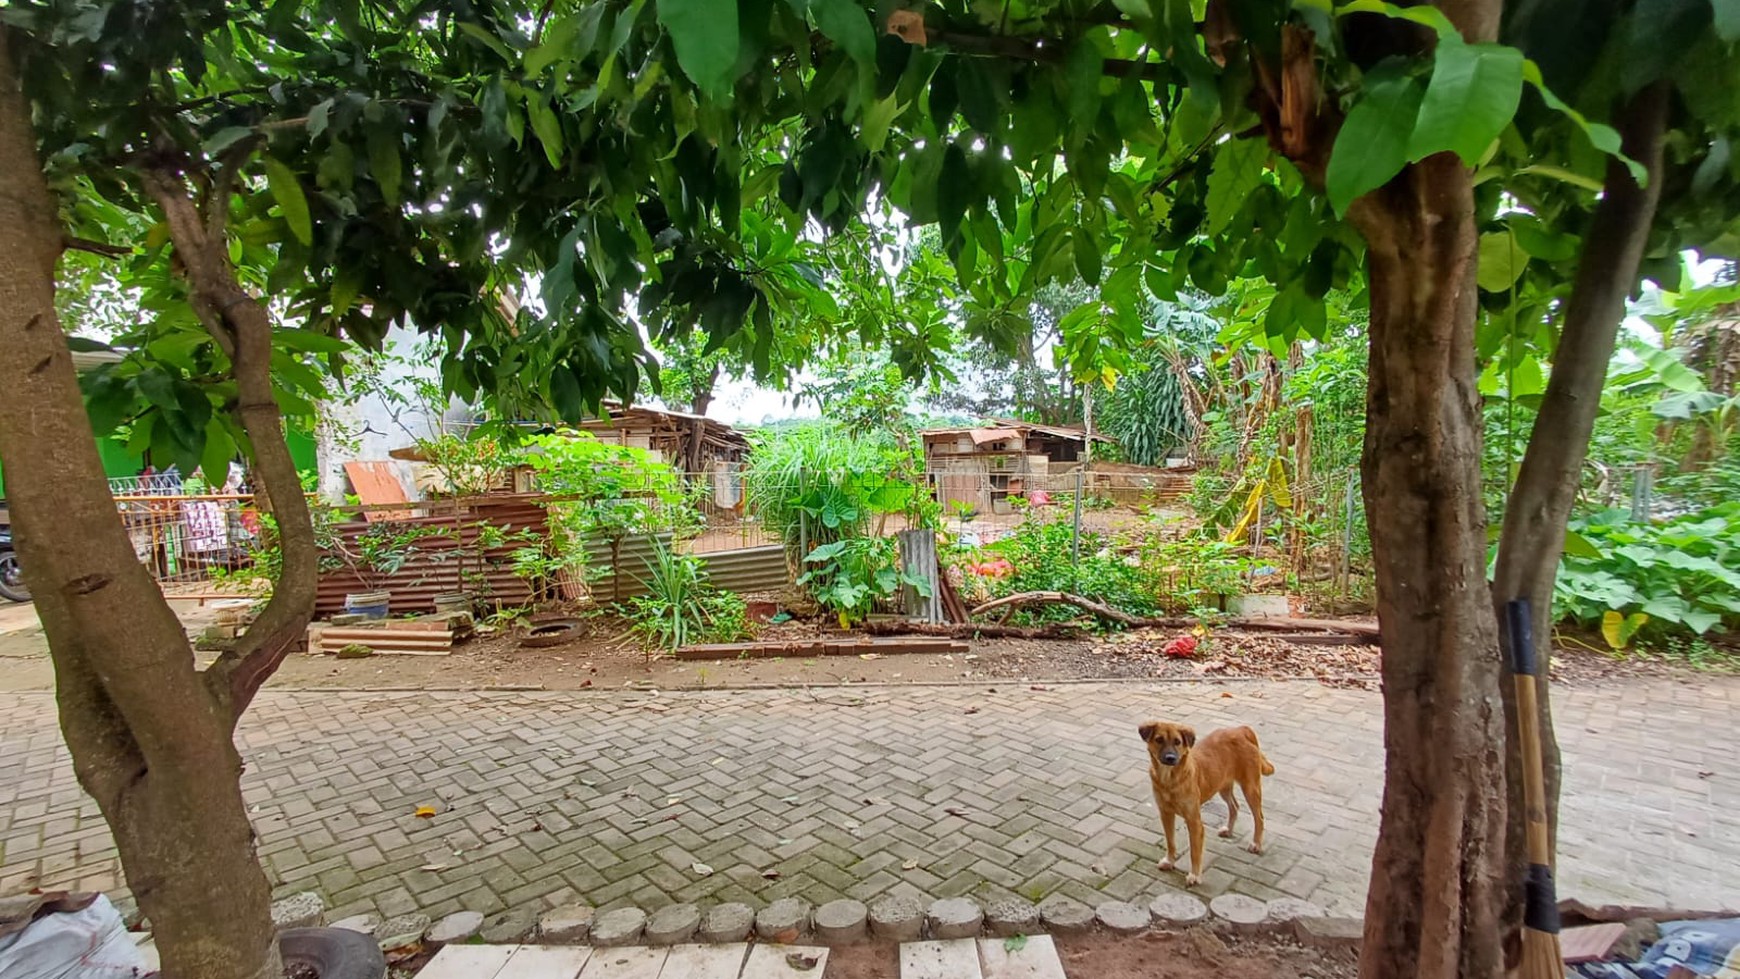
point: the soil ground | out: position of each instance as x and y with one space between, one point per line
1195 954
603 655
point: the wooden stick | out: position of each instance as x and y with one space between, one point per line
1104 611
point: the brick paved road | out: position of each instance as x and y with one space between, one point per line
612 798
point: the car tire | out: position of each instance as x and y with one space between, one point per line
333 953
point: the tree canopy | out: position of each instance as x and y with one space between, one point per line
531 182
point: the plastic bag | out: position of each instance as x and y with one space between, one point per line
88 944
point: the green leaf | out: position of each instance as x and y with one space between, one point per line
1424 15
1014 943
1087 256
307 341
549 130
1670 372
1502 261
288 193
1473 95
847 24
1727 14
1602 137
225 138
705 34
558 41
1372 146
220 449
385 164
1238 167
952 191
1083 69
1576 545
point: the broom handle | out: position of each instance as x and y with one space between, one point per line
1523 664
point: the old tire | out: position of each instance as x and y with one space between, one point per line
553 633
333 953
12 586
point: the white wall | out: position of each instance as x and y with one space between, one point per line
366 428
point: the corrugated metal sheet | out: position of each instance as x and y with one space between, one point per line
432 567
743 570
620 566
749 569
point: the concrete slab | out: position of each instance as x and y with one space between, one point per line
954 959
1034 959
776 962
468 962
623 963
704 962
546 962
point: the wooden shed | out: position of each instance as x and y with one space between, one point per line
983 466
692 443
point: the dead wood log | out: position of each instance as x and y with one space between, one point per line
1104 611
967 630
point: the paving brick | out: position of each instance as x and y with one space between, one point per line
955 959
468 962
547 962
1035 958
332 780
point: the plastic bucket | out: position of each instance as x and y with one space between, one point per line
372 604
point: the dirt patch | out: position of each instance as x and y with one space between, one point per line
1194 954
864 962
602 655
1201 954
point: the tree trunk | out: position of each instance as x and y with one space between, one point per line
702 393
148 742
1437 886
1546 486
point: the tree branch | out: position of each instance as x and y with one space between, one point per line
1533 533
103 248
243 327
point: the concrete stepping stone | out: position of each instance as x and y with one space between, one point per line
1036 958
636 962
547 962
784 962
468 962
954 959
704 962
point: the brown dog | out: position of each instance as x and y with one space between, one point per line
1186 773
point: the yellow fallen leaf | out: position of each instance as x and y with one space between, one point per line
425 812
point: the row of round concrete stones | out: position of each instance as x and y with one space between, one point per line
845 922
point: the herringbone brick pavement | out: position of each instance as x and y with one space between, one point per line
612 799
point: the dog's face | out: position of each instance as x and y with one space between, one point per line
1168 744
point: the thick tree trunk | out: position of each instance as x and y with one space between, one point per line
148 742
1546 486
1437 888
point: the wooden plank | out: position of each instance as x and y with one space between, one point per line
375 485
957 959
704 962
777 962
468 962
1589 943
820 647
624 963
1035 958
545 962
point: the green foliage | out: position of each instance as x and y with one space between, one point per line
1146 414
1043 556
682 607
817 483
1192 574
1683 574
610 491
850 577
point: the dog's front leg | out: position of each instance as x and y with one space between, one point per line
1197 832
1167 827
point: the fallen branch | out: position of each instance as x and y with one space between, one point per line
805 648
1104 611
967 630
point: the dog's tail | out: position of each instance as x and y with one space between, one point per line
1267 767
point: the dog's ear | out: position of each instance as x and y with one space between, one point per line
1188 736
1148 730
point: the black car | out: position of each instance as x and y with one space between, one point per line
11 577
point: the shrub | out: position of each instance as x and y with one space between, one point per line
1655 580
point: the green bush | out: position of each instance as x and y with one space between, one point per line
682 607
1677 577
848 577
1042 555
